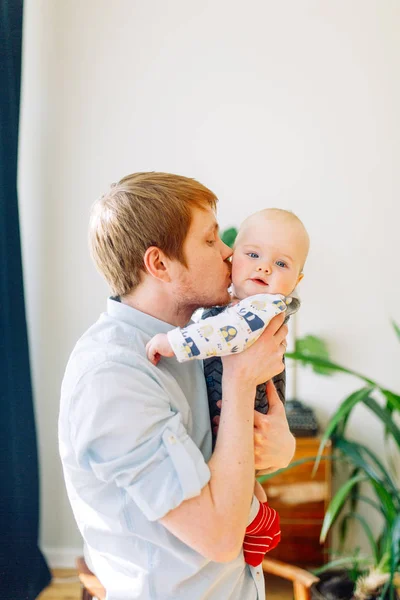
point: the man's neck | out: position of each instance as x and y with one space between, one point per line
152 301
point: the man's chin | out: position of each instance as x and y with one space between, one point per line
222 300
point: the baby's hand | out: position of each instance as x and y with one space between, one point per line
157 347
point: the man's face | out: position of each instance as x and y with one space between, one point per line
206 279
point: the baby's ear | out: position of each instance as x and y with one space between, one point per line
300 278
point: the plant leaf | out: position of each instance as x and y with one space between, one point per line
396 328
355 452
388 508
368 533
355 492
381 467
295 463
389 408
228 236
343 529
341 562
385 416
395 548
337 503
382 540
369 501
311 345
393 556
388 500
317 361
392 399
344 409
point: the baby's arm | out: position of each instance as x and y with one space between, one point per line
233 330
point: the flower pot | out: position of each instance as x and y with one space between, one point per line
334 584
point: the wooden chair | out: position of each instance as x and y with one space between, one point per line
91 586
302 579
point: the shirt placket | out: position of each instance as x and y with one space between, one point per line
258 577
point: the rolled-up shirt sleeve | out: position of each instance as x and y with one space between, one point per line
124 430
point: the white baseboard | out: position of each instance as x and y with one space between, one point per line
62 558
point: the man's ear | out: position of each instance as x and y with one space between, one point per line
300 278
157 264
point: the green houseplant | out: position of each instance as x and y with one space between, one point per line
228 236
374 576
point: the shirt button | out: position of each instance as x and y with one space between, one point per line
258 573
172 439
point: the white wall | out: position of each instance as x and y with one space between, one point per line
288 104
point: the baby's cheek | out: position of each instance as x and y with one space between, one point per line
286 284
238 267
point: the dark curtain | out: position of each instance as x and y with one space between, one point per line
23 570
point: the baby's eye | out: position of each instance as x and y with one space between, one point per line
280 263
211 242
253 255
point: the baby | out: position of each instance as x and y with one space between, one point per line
267 264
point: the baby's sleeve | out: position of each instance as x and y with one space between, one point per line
231 331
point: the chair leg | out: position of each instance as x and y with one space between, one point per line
86 595
301 592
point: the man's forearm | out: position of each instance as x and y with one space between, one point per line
232 464
214 522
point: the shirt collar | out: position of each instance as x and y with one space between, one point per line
136 318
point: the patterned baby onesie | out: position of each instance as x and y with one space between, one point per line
213 374
226 330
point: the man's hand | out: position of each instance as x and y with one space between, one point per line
263 360
274 444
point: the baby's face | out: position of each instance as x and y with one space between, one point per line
268 257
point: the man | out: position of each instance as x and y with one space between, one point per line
162 517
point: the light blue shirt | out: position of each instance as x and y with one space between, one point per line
134 442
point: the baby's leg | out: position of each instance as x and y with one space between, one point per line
213 375
261 401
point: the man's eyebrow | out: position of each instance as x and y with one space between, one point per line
213 229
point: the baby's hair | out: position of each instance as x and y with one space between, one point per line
275 213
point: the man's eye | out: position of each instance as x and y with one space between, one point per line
253 255
211 242
280 263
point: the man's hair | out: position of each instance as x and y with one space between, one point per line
142 210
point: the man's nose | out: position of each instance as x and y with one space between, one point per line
226 251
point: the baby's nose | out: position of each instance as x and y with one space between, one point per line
265 268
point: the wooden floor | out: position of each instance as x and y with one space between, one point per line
66 586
